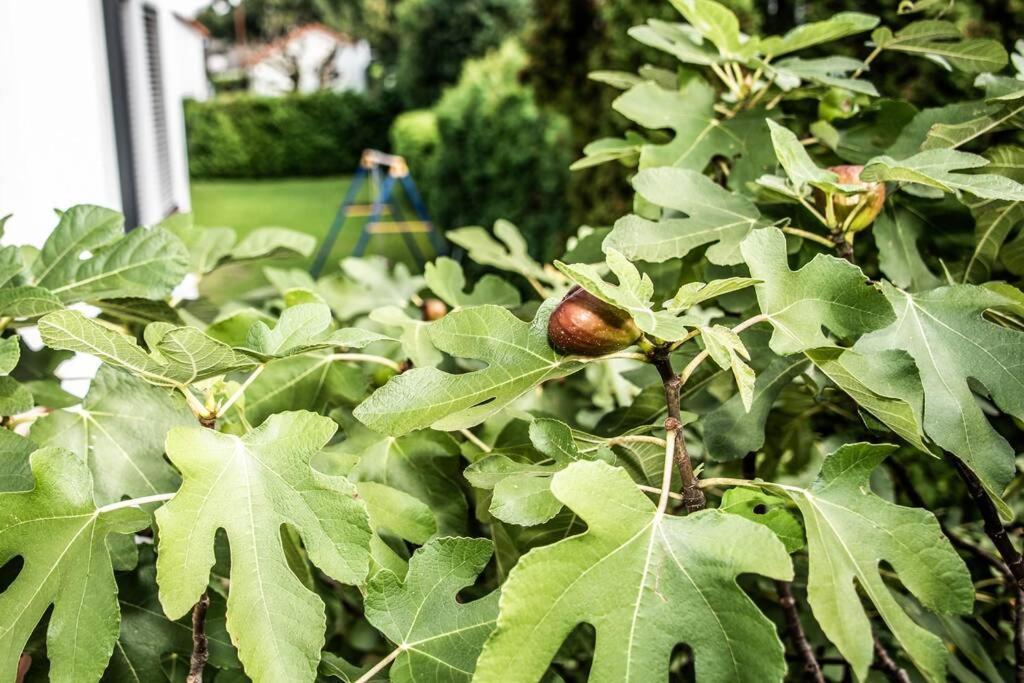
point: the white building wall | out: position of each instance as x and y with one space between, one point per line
185 71
57 143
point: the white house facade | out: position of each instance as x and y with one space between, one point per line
91 108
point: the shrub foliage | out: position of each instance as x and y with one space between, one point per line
488 151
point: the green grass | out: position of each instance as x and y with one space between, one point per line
305 204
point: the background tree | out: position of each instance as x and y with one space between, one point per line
437 36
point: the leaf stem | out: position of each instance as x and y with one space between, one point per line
666 475
689 335
700 357
366 358
381 665
716 482
814 211
693 497
475 440
867 62
200 644
635 438
135 502
656 489
612 356
198 409
726 79
223 409
807 235
537 286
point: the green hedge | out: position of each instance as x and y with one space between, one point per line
487 151
296 135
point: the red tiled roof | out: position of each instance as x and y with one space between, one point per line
194 24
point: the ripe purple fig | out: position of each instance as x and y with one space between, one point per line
583 325
433 309
844 204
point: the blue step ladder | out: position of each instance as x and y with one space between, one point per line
386 172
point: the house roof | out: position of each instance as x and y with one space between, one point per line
276 46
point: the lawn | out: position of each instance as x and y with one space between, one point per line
306 204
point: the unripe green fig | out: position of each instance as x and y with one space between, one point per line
839 104
844 204
583 325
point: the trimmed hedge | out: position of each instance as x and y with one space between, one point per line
487 151
321 133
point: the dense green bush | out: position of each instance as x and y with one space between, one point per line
437 36
255 137
416 137
487 151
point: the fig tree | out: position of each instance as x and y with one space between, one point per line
846 204
583 325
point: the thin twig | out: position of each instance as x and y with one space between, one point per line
904 483
200 646
1018 633
796 631
787 602
693 497
993 525
888 666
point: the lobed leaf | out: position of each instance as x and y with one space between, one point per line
646 582
119 433
61 535
850 531
715 216
518 358
826 293
440 636
250 486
